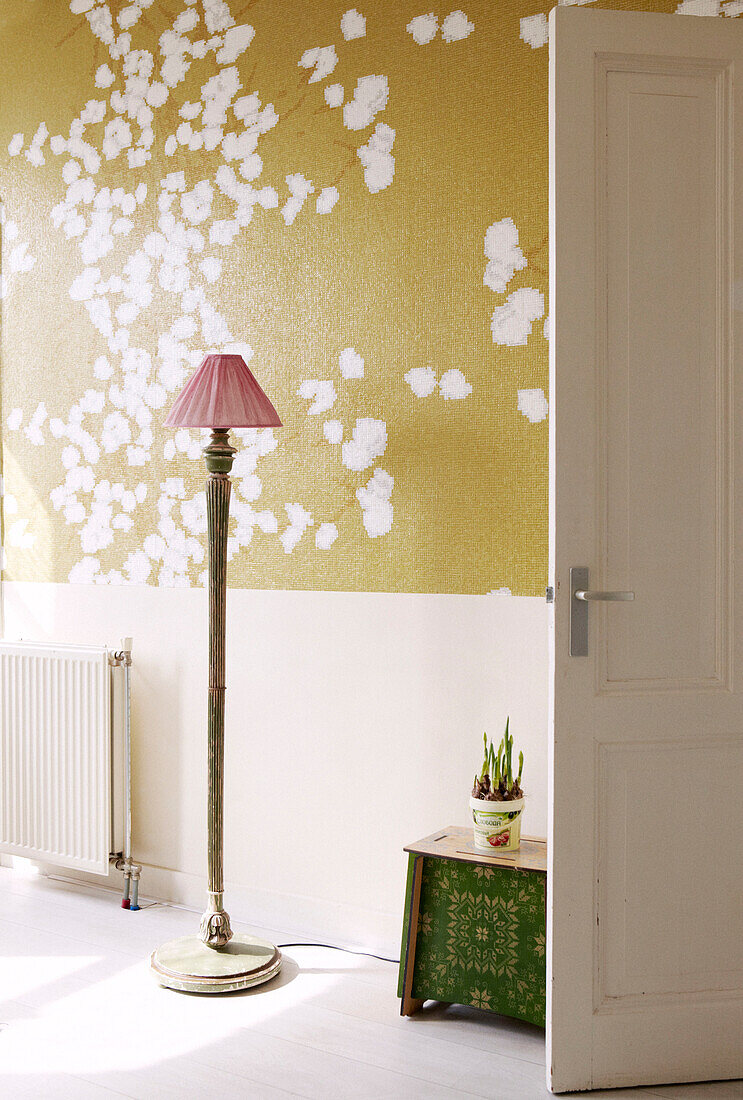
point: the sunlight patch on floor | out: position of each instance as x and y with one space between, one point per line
23 974
128 1022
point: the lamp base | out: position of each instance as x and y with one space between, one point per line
188 965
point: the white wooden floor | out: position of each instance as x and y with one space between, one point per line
81 1018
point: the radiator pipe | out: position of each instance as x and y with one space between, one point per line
132 871
135 871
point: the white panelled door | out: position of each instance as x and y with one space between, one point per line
646 844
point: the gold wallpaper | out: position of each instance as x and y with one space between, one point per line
354 199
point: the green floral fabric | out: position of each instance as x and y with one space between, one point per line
481 938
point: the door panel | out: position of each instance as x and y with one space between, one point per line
646 947
664 375
645 936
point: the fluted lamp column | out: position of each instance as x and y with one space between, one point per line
222 394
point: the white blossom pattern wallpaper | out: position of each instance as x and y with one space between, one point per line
353 199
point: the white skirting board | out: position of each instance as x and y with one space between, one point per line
353 726
294 917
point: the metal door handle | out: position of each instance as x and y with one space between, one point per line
582 594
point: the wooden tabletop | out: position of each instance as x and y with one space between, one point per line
457 842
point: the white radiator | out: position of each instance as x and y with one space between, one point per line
61 755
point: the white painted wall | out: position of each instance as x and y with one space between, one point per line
354 726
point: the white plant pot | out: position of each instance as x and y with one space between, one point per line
497 825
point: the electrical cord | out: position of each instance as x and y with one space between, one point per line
348 950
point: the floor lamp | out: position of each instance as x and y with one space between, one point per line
222 394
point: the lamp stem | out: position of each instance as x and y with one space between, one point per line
215 928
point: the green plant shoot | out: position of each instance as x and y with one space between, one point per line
509 748
485 757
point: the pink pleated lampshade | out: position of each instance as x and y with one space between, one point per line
222 393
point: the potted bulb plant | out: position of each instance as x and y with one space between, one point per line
497 800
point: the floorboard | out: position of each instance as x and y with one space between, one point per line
82 1018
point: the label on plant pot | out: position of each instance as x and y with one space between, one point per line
497 828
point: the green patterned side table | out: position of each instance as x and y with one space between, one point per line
475 926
